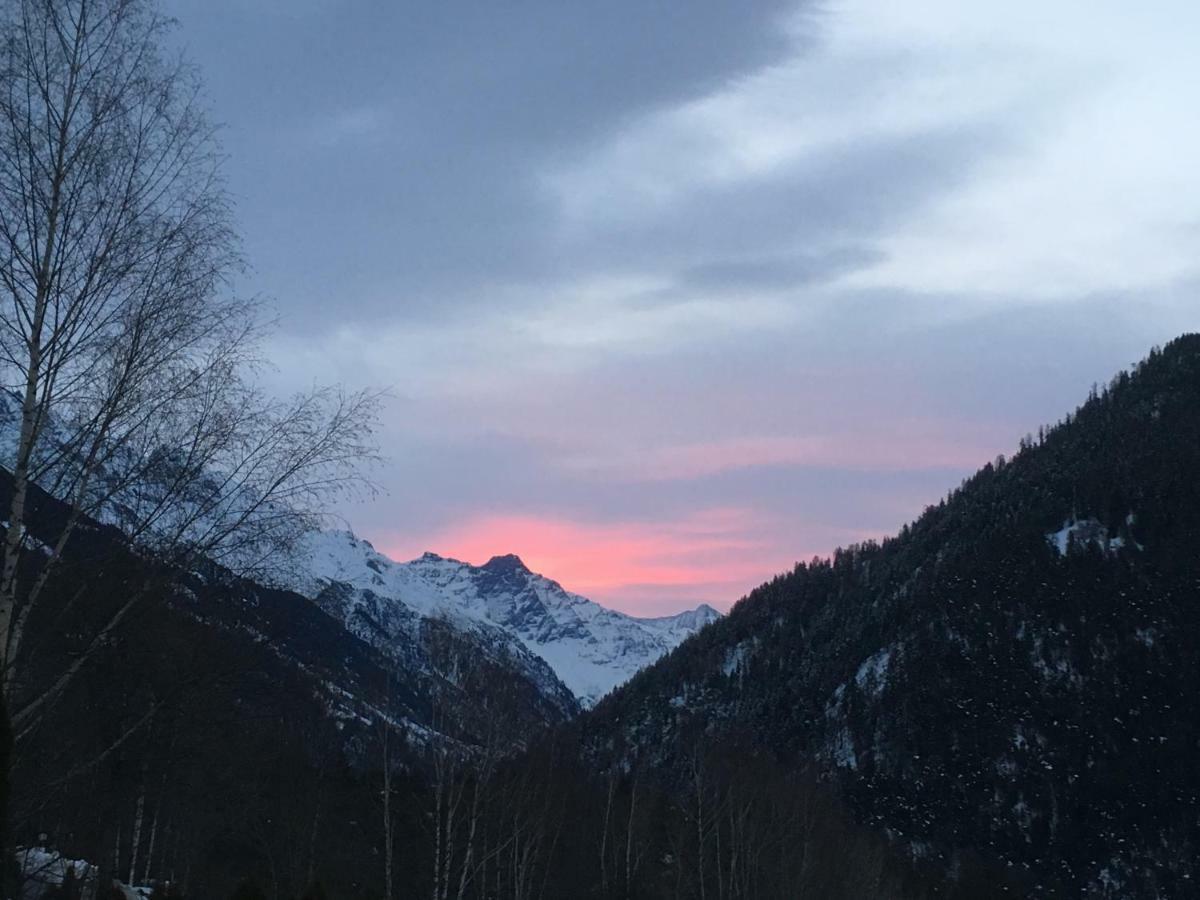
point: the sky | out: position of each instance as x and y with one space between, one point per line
668 296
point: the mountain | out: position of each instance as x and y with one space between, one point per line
589 648
248 721
1015 675
252 722
515 617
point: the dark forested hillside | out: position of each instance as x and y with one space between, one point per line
1014 677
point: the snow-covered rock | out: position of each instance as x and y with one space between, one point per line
1089 531
42 871
590 648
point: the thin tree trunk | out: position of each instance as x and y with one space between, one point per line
612 787
438 786
699 826
5 761
117 851
153 833
312 841
629 840
468 861
448 843
387 814
720 873
15 530
137 834
30 408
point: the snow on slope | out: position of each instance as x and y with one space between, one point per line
590 648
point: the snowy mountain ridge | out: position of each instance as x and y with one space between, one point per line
590 648
522 619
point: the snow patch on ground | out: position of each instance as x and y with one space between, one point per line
843 750
1080 531
735 658
1088 531
872 674
42 871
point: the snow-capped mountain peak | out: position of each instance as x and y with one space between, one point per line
590 648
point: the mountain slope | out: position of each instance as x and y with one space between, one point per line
1015 674
515 617
590 648
250 720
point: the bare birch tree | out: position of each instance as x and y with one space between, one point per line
128 368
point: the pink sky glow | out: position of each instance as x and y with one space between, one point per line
714 554
645 568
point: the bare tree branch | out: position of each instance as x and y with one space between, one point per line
127 367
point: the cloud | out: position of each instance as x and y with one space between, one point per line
645 567
886 450
776 272
1098 201
441 205
338 128
630 265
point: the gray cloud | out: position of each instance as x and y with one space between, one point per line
589 243
777 272
816 217
476 97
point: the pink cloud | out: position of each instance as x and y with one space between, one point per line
894 451
646 568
